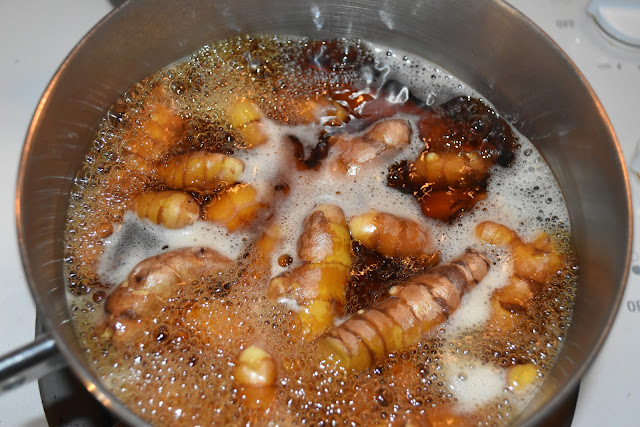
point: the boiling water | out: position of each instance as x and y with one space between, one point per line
183 374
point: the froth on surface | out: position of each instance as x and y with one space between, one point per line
475 308
137 239
163 382
472 383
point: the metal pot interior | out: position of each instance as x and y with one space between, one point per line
485 43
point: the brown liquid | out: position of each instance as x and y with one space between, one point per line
179 369
461 126
372 275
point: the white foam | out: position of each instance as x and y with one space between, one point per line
474 308
523 197
427 81
472 383
137 239
273 163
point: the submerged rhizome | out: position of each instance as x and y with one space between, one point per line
279 230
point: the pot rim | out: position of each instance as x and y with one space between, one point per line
82 369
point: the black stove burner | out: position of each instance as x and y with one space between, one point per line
67 403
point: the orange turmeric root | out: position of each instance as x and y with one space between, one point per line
400 321
538 260
534 264
200 171
390 235
158 128
255 374
382 136
235 207
318 285
171 209
259 262
144 292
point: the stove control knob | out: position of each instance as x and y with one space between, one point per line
618 18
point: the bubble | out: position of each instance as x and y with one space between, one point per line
258 67
178 87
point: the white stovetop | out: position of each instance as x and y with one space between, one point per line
36 35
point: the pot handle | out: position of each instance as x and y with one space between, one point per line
29 363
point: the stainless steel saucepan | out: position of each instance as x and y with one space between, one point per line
485 43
